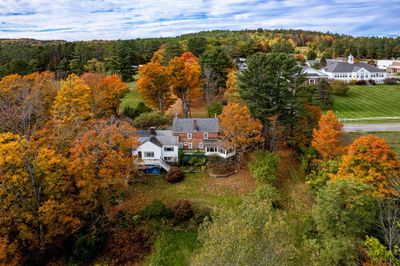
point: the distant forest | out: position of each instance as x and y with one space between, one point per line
25 56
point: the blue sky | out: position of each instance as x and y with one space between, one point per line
126 19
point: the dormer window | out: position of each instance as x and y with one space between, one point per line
205 135
189 135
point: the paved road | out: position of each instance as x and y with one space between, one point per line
371 127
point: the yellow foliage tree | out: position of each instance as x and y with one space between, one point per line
72 104
326 139
238 126
370 160
36 209
231 93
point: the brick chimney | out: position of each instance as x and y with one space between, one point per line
194 124
153 131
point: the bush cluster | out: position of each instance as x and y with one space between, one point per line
175 175
339 88
156 210
133 112
264 167
152 119
390 81
182 211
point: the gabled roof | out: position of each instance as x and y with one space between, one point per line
189 125
344 67
312 72
162 137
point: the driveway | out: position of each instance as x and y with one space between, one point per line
371 127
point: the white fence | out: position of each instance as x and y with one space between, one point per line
384 118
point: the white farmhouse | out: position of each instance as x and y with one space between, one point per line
348 71
157 148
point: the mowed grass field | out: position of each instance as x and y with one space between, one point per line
132 98
369 101
392 138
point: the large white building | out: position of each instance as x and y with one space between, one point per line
348 71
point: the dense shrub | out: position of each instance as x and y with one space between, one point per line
133 112
269 193
361 82
152 119
390 81
339 88
174 175
214 109
182 211
127 246
126 219
264 166
87 246
156 210
372 82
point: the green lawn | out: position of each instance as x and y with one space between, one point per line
132 98
369 101
198 188
393 138
173 247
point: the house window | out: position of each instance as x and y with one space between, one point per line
148 154
168 148
185 144
201 145
189 135
180 145
205 135
168 159
190 145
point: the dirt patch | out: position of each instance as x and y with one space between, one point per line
242 182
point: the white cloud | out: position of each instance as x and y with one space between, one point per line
123 19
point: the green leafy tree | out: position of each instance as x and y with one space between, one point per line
269 86
219 62
197 45
322 94
343 213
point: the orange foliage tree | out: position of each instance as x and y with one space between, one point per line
239 127
106 93
153 83
326 139
25 102
370 160
37 209
185 79
100 160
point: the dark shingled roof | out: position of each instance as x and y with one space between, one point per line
344 67
189 125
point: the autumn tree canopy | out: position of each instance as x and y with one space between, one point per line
153 83
326 139
25 102
72 104
231 93
185 79
37 210
101 160
106 93
239 127
370 160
